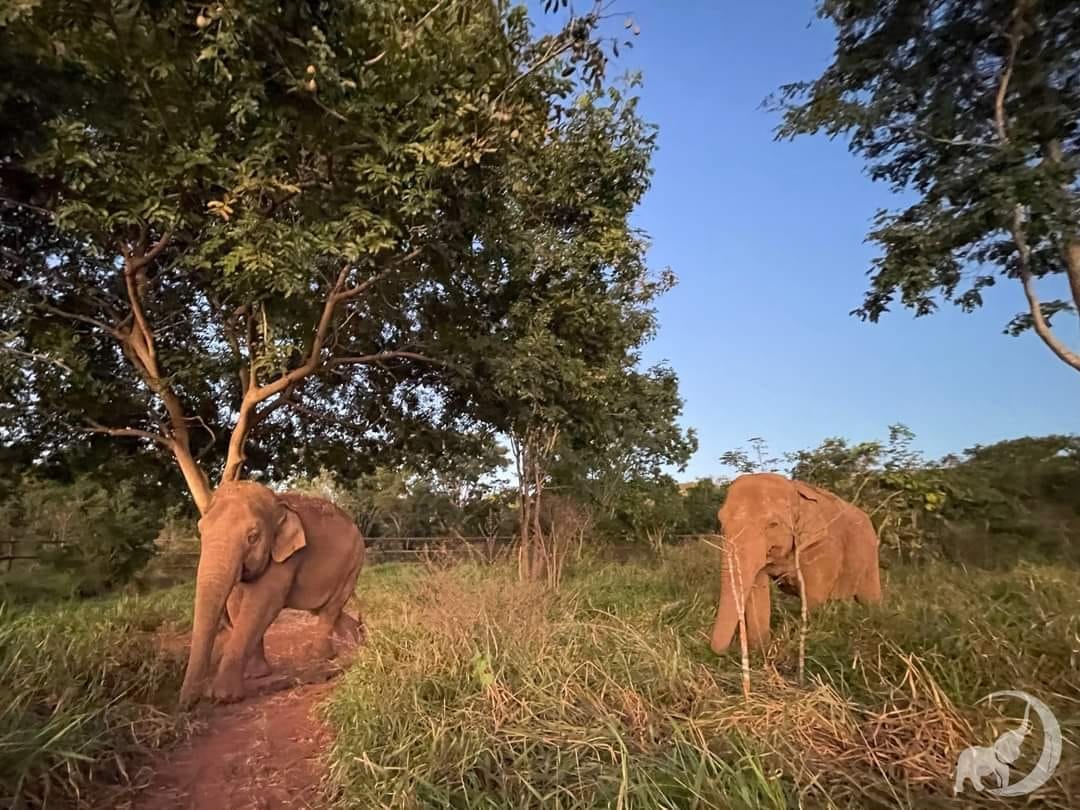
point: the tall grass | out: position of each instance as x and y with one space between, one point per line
476 691
86 686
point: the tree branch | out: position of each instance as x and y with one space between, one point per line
96 427
246 419
1014 35
249 415
1016 227
146 257
41 358
1038 322
75 316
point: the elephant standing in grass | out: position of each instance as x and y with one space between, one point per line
764 519
263 551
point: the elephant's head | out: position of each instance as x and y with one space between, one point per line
245 527
758 520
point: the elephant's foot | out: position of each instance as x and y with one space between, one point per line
258 668
228 687
348 632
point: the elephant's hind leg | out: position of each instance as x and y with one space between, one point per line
332 620
337 625
869 590
257 665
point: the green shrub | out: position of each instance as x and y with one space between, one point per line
97 536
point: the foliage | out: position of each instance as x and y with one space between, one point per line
99 535
262 236
971 105
557 359
703 500
755 460
403 503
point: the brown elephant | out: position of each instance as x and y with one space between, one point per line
263 551
764 517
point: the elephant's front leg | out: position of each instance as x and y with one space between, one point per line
256 665
259 607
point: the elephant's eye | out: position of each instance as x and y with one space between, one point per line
252 536
772 524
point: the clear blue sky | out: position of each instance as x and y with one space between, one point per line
767 240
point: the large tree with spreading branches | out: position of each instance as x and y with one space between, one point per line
228 228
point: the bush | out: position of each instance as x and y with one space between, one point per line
96 536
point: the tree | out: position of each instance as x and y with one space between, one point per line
973 106
226 231
556 359
703 500
744 463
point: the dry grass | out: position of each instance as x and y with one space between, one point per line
476 691
479 692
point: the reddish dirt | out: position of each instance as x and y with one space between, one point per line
262 753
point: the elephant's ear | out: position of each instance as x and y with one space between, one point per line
806 491
290 537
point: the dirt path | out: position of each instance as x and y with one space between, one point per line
262 753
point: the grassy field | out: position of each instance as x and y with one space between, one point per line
480 692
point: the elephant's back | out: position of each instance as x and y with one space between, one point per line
324 521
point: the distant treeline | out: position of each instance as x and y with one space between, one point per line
988 506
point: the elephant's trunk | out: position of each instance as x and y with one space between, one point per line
739 569
217 576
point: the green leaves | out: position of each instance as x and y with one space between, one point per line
432 171
970 106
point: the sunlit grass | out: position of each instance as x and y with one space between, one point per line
479 692
476 691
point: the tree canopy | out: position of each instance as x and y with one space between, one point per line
267 235
973 107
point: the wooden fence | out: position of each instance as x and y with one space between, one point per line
25 550
384 549
379 549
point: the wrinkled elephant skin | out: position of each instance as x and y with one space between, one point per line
263 551
764 517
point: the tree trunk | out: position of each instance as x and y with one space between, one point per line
195 478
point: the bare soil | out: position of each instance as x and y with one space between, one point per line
263 753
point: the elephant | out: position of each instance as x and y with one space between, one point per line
263 551
764 518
